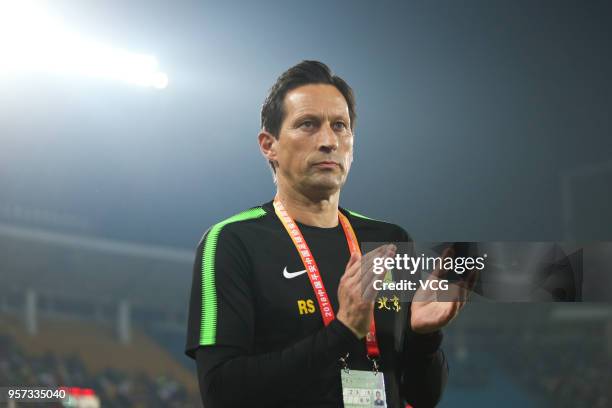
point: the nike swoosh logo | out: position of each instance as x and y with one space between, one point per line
291 275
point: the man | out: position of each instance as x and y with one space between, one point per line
378 402
277 307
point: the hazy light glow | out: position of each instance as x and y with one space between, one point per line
32 40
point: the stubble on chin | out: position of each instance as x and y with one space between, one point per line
324 185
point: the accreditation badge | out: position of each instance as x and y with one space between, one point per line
362 389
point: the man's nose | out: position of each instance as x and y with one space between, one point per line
327 138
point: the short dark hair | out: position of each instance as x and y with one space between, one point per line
304 73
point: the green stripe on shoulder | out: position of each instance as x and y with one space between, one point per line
354 214
208 326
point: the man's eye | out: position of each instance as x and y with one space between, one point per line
308 124
340 126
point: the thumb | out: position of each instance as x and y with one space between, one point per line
441 272
355 257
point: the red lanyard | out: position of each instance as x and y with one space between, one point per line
313 270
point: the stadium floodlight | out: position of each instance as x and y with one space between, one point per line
33 40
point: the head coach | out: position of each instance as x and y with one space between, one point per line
277 315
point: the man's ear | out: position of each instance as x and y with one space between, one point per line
267 145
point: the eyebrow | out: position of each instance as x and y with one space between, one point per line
304 116
317 117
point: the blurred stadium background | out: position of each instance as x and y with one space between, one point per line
127 128
110 316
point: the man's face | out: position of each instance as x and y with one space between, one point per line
315 146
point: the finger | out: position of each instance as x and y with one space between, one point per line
369 293
366 263
354 259
352 267
440 273
469 287
430 295
368 283
461 295
455 292
381 252
455 310
425 295
472 279
369 277
468 284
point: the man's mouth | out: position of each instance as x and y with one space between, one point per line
327 164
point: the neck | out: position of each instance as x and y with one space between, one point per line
314 211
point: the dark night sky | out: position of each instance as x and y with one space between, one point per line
470 114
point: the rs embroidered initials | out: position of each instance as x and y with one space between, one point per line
305 306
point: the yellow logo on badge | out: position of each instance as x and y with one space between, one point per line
383 303
306 306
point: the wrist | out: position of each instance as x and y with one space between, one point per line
424 343
343 321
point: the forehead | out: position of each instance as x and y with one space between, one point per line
316 99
